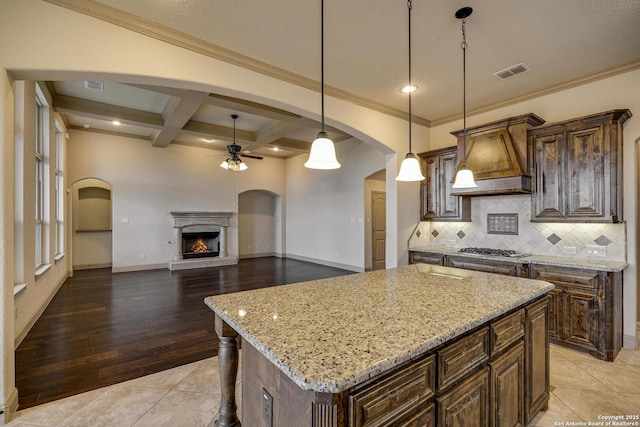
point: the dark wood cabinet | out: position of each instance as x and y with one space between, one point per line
496 375
420 257
577 169
436 201
536 344
506 268
507 388
585 308
467 404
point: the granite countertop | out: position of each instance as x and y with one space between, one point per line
599 264
331 334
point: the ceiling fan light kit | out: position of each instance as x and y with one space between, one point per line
233 162
323 151
410 168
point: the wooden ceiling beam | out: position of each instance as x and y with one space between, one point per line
177 114
205 129
98 110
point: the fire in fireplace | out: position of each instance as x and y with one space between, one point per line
199 245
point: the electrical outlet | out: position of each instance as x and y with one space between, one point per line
601 251
141 255
569 250
267 408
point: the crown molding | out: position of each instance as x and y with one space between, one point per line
625 68
177 38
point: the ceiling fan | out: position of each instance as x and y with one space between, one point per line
234 162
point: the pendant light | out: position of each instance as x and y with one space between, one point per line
233 162
323 152
410 167
464 177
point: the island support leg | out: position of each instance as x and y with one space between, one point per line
228 369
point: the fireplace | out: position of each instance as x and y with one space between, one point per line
200 245
201 240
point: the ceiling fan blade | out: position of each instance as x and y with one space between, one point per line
251 156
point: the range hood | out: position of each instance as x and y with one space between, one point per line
497 155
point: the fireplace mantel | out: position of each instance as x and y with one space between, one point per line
184 219
201 221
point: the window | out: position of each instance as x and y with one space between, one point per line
41 183
59 176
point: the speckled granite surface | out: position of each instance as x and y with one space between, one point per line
599 264
329 335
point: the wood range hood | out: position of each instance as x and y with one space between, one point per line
497 156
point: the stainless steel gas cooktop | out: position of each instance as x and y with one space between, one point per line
492 252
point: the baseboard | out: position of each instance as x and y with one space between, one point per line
259 255
630 342
9 407
23 333
127 268
92 266
327 263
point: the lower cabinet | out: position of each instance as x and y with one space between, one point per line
467 404
507 388
536 344
494 376
585 310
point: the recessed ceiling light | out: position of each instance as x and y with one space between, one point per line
275 148
116 122
208 140
409 88
86 125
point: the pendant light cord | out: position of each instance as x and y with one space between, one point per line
409 7
322 60
464 46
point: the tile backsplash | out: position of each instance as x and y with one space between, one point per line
578 240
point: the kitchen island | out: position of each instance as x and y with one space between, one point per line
414 345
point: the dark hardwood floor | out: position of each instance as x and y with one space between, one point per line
103 328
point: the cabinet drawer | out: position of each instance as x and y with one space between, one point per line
458 359
566 276
506 331
394 397
426 258
489 266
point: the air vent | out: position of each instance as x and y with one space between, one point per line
511 71
94 85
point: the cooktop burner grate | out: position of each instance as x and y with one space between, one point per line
492 252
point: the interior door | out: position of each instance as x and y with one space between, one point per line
379 229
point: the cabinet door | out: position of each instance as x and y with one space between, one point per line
587 171
429 188
555 314
536 358
548 200
507 388
581 319
449 205
467 404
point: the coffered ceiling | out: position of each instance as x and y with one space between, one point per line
561 43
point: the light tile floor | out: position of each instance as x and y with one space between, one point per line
583 389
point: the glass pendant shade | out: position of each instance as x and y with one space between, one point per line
234 165
410 169
464 179
323 154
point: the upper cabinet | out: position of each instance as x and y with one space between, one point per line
437 203
577 169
